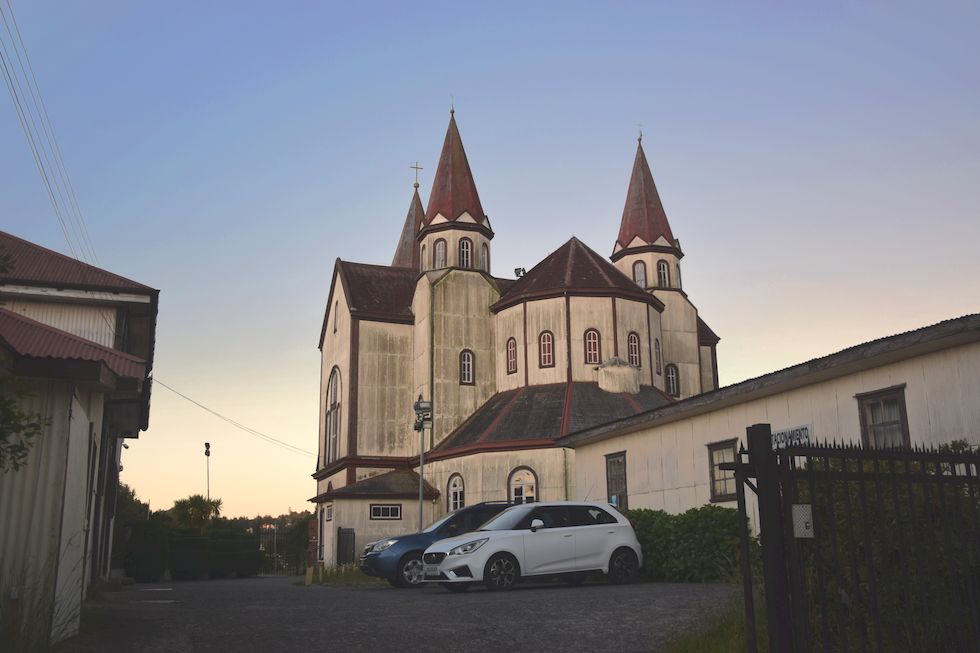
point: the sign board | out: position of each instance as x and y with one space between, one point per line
423 406
803 520
791 437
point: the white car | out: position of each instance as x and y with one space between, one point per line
565 538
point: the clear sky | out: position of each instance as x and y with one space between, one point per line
820 164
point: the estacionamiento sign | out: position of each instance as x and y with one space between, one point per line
791 437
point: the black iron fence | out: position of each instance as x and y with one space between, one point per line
863 550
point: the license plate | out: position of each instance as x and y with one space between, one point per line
432 570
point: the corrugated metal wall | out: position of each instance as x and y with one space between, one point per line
93 323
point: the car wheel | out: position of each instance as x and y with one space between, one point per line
623 566
410 572
501 572
575 579
456 587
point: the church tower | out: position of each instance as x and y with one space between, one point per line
455 232
648 253
407 252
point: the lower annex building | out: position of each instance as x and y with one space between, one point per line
511 365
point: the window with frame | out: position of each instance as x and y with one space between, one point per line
722 481
466 365
511 355
633 349
523 485
884 419
455 495
640 274
673 380
439 254
386 511
422 260
593 352
546 349
485 258
336 310
677 271
663 274
656 353
332 439
328 512
616 480
465 253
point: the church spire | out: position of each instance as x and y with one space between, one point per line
453 189
407 251
643 215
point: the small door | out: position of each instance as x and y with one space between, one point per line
549 550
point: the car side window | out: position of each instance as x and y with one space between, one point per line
589 516
552 516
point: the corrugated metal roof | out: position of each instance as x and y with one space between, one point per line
35 265
379 289
400 483
453 189
644 214
705 335
27 337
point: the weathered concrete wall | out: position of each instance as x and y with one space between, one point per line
590 313
510 324
356 514
336 353
384 393
546 315
707 369
452 238
679 324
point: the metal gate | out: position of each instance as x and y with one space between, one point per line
862 549
345 546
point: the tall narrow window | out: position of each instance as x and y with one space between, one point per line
455 497
884 420
722 481
466 367
485 258
656 352
336 309
465 253
333 416
673 381
616 480
511 355
633 349
593 353
546 349
640 274
663 274
523 485
677 271
425 263
439 254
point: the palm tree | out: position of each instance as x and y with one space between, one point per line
196 511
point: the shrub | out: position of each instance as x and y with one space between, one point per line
146 555
700 545
188 555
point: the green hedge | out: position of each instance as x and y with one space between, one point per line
146 552
700 545
218 553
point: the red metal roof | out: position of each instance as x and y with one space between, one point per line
453 188
705 335
27 337
35 265
571 268
407 251
644 214
396 484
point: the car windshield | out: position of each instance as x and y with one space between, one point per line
507 520
439 522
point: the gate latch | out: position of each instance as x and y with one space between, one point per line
802 520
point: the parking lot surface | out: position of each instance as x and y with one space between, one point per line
275 614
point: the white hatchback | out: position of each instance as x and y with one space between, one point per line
566 538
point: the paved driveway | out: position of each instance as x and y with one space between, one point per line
273 614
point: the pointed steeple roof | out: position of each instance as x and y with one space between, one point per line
407 251
643 214
453 188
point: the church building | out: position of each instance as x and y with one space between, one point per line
510 365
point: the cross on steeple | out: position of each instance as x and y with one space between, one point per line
639 128
416 168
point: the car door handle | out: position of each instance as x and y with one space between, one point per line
568 534
611 532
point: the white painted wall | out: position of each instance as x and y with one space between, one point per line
95 323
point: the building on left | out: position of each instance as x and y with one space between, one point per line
76 354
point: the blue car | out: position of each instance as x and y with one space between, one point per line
399 558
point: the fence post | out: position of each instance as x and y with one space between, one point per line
774 567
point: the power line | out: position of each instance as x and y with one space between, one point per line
247 429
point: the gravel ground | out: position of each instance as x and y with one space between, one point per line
274 614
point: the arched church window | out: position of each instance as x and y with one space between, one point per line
640 274
425 263
332 438
673 381
466 367
546 349
511 355
465 253
678 273
485 260
633 349
656 353
663 274
455 496
523 485
439 254
593 352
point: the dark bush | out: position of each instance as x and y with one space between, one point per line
188 555
700 545
146 556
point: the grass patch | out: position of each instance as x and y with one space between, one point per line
725 633
345 576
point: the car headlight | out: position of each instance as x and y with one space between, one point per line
469 547
382 545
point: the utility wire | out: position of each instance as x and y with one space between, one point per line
247 429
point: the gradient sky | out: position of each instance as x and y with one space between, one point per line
820 164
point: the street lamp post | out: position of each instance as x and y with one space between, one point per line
423 419
207 456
